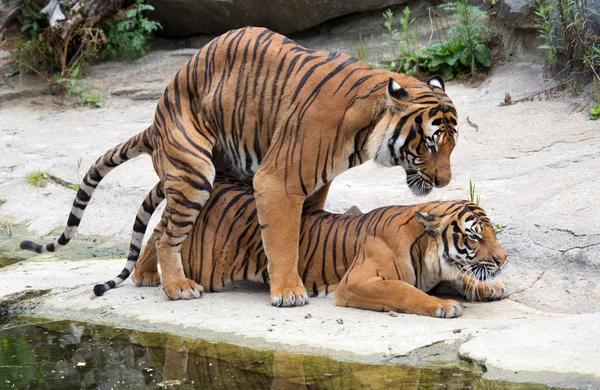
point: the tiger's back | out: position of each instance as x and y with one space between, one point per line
225 244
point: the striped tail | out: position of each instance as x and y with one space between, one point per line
113 158
149 205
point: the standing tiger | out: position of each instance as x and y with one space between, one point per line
386 259
256 103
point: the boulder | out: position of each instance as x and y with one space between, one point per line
181 18
518 14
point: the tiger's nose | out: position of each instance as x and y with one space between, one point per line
500 261
442 180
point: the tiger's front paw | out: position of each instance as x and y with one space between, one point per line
294 296
182 289
492 292
146 278
446 308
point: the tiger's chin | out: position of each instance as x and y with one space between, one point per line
416 183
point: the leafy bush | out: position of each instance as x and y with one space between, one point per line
461 47
565 28
130 38
469 36
45 52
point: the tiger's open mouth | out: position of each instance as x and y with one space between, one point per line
417 184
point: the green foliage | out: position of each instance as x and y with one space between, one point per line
565 29
406 41
499 228
470 34
363 52
37 178
32 17
461 47
594 113
80 93
545 12
130 38
473 196
35 47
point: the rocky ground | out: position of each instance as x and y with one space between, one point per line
535 165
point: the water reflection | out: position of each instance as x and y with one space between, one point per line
75 355
6 261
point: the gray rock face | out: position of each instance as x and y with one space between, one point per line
594 14
188 17
518 14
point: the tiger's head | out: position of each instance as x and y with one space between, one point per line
465 242
417 131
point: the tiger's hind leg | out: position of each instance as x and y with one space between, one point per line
146 269
187 173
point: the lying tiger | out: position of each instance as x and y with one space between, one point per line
386 259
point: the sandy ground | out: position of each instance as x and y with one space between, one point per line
535 164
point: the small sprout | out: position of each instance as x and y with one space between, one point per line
473 196
499 228
37 178
594 113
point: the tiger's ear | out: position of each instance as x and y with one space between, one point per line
436 82
395 90
431 223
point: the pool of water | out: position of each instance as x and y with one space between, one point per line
6 261
73 355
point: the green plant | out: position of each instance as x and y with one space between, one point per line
545 11
79 93
45 51
499 228
32 17
565 28
470 33
408 55
461 47
363 53
130 38
473 196
79 169
594 113
37 178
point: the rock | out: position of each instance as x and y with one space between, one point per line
184 18
594 14
559 349
518 14
8 16
353 210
